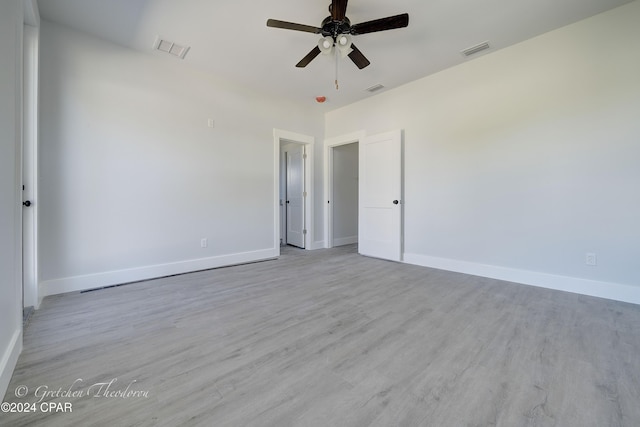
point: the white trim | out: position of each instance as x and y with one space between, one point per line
345 241
329 145
286 136
31 13
612 291
9 360
318 244
109 278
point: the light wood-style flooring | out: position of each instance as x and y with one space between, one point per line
330 338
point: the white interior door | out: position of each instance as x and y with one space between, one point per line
380 208
295 196
29 167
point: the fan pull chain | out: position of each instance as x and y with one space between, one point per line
337 53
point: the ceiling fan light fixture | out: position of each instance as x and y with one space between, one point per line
336 31
326 45
343 43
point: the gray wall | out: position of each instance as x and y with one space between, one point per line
131 176
520 162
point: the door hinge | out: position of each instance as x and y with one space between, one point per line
304 156
304 231
304 194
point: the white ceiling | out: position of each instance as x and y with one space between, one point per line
231 39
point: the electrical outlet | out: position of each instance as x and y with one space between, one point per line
590 259
204 242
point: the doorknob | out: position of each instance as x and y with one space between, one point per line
287 202
395 202
27 203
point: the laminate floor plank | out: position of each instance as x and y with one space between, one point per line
330 338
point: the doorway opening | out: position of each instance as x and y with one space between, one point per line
342 190
293 189
344 194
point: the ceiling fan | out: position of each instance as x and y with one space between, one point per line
336 31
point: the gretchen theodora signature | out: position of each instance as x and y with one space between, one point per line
96 390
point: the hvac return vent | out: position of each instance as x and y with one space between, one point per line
475 49
171 48
374 88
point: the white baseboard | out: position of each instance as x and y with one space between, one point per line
318 244
613 291
109 278
9 360
345 240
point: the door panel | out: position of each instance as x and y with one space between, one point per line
380 229
295 196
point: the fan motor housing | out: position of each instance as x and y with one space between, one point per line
334 28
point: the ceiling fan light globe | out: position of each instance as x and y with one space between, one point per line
325 45
344 45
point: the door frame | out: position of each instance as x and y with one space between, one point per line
282 136
329 145
31 36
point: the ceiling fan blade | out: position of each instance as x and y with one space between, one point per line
358 58
310 57
293 26
382 24
338 9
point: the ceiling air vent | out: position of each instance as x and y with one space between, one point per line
475 49
374 88
171 48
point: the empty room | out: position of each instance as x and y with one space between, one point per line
320 213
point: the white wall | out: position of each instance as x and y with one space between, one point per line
520 162
131 177
345 194
11 19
